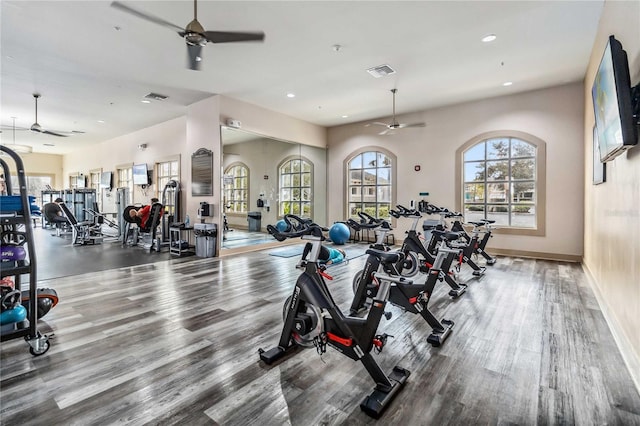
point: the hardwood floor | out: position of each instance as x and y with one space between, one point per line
176 343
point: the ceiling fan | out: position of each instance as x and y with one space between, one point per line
394 123
35 127
194 34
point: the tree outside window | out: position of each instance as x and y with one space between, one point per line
296 182
236 188
500 182
370 184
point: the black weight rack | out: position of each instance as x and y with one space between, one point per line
17 224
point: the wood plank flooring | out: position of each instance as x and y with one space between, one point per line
176 343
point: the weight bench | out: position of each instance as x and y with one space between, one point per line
83 233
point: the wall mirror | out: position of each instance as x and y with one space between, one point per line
264 178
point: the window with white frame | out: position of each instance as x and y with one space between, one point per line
236 188
503 180
296 183
165 172
36 183
125 179
94 181
370 185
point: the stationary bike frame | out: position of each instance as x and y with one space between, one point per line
413 243
353 337
404 293
479 244
468 249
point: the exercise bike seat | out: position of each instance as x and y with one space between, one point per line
386 256
477 223
487 221
446 235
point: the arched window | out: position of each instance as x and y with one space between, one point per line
502 179
296 182
236 188
370 187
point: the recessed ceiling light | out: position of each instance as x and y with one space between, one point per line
345 116
507 83
145 101
101 121
489 38
291 95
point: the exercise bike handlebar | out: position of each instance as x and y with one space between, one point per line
311 229
299 224
405 212
445 212
367 217
358 225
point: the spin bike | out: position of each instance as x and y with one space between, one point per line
479 245
404 293
312 318
468 246
413 247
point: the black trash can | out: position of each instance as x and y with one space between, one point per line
254 219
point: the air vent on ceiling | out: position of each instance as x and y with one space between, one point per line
381 71
156 96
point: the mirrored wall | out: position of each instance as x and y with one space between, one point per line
265 178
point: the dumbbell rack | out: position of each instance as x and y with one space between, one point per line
11 225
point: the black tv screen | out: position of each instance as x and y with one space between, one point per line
611 93
140 176
105 180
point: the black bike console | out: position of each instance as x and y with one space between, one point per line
375 404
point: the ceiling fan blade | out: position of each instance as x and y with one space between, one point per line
404 125
49 132
146 16
228 37
17 129
194 51
377 123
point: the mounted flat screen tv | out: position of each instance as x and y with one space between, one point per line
105 180
611 93
140 174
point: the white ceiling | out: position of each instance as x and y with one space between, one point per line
86 70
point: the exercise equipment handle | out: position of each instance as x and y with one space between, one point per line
300 222
408 212
366 216
308 229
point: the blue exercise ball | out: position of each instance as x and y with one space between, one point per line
282 226
339 233
10 316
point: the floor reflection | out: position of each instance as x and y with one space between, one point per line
240 238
